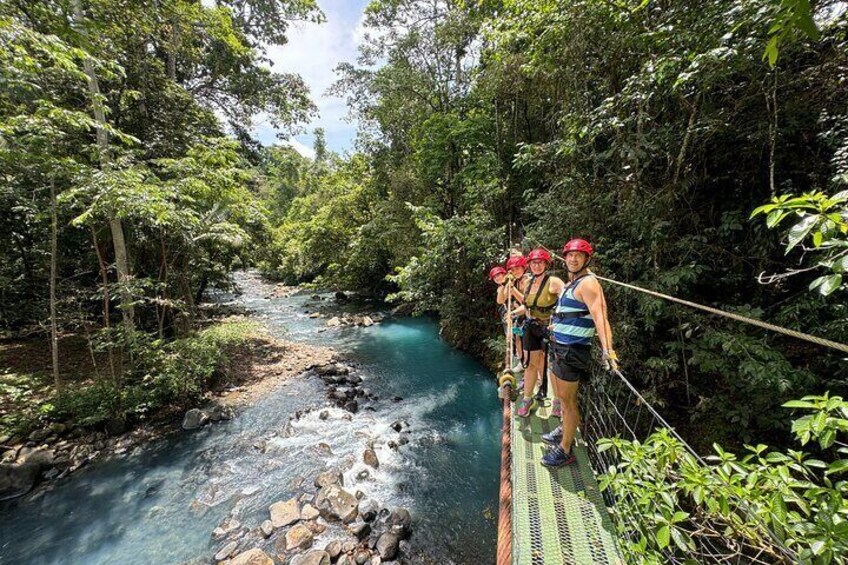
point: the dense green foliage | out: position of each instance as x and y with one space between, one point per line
764 497
165 375
122 192
654 129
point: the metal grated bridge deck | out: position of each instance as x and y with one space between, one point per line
558 515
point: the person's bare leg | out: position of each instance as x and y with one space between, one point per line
567 393
531 374
519 349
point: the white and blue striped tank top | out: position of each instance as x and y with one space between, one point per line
573 324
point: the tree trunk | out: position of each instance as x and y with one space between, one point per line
115 224
54 331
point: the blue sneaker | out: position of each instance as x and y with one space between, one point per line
553 437
557 457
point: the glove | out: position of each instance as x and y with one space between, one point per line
610 360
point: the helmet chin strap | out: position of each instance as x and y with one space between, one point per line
581 269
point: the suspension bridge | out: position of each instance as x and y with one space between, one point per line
562 517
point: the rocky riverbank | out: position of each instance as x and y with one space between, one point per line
50 454
322 524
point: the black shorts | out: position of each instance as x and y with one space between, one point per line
534 335
570 362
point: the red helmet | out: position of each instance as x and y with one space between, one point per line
517 261
495 271
578 245
539 255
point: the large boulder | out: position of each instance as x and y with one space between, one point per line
253 556
360 529
334 549
17 479
400 523
370 458
387 546
328 478
220 412
299 537
335 503
314 557
194 419
226 551
285 513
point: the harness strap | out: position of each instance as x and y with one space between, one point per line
560 316
542 286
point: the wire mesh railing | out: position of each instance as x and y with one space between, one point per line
612 407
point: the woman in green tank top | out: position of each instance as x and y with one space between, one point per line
541 292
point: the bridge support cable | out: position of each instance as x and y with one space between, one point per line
841 347
613 408
504 556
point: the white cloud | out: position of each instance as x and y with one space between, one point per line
304 150
313 51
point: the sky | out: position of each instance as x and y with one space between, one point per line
313 51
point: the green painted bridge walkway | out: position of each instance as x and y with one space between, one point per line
558 515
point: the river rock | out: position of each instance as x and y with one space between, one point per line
299 537
226 551
335 503
267 528
226 527
334 549
284 513
315 315
309 512
370 458
194 419
328 478
368 510
314 557
220 412
349 546
316 527
324 414
253 556
341 296
363 475
334 322
400 523
38 435
351 406
387 546
17 479
360 530
367 321
362 557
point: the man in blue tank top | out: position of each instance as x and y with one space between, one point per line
580 315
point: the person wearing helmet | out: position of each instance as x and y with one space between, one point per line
580 314
498 275
516 267
540 298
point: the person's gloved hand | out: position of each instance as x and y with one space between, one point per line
610 360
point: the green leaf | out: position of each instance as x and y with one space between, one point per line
663 536
771 51
799 404
800 231
839 466
830 284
